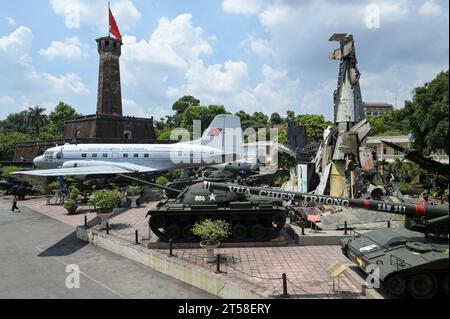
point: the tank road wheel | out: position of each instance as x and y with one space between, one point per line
396 285
187 232
423 285
445 284
258 231
173 232
239 231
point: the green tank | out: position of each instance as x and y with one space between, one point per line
412 261
251 219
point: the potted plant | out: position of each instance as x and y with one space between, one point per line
71 204
211 232
104 202
133 193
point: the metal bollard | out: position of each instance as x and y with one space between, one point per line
170 248
107 228
303 228
136 234
218 264
85 221
345 228
389 224
285 292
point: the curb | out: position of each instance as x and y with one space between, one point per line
215 284
359 282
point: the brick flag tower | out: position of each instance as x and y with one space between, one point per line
109 98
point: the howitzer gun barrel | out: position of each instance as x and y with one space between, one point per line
413 211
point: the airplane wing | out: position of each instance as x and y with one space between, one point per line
81 168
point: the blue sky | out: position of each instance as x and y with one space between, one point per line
255 55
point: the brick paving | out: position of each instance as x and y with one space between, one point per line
258 268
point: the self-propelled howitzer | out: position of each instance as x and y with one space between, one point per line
426 219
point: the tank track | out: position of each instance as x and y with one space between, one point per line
257 223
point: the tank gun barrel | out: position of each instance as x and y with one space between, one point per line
409 210
151 184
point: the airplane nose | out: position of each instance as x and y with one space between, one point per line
37 161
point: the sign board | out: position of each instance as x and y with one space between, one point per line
302 176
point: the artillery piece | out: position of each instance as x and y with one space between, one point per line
411 261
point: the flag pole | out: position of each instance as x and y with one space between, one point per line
109 19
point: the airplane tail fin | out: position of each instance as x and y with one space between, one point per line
225 133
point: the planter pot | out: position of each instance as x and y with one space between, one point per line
210 257
133 201
104 217
72 210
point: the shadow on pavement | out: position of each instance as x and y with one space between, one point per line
66 246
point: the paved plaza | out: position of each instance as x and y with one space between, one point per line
259 268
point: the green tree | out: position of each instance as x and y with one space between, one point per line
36 119
390 123
16 122
8 143
314 124
58 117
183 103
246 119
290 115
427 115
275 119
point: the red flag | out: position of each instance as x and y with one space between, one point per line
113 28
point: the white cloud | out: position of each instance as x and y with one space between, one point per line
23 82
173 47
260 47
246 7
70 49
213 83
78 12
430 9
10 21
6 103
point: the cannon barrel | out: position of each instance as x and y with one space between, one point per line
409 210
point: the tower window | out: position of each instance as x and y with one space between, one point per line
146 155
105 155
107 43
125 155
84 155
136 155
115 44
94 155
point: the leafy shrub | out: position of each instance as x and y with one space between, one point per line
161 180
134 190
70 203
105 200
212 231
74 193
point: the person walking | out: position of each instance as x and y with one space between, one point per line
14 204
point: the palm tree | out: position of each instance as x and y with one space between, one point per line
36 119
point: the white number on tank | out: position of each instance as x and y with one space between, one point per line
200 198
366 249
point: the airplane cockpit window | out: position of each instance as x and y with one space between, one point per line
94 155
48 154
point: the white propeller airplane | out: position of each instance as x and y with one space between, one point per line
221 142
